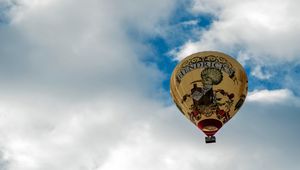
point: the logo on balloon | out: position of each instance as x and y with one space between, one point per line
210 61
207 101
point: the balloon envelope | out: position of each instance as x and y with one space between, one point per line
209 88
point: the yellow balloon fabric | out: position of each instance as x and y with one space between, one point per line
209 88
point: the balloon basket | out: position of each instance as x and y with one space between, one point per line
210 139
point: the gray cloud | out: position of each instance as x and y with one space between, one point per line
72 83
75 95
85 48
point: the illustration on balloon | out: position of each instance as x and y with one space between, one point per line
209 88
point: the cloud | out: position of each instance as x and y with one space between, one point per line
85 48
258 34
262 29
73 84
50 133
257 72
75 94
272 96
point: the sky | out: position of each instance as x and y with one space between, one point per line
84 85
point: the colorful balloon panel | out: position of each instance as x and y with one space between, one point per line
209 88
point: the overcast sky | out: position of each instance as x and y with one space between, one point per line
84 85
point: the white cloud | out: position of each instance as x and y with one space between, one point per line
257 72
266 31
190 23
46 132
74 95
65 42
272 96
72 83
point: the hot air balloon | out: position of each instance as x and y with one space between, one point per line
209 88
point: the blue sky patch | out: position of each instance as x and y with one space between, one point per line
4 9
182 27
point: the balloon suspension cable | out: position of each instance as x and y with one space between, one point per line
210 139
